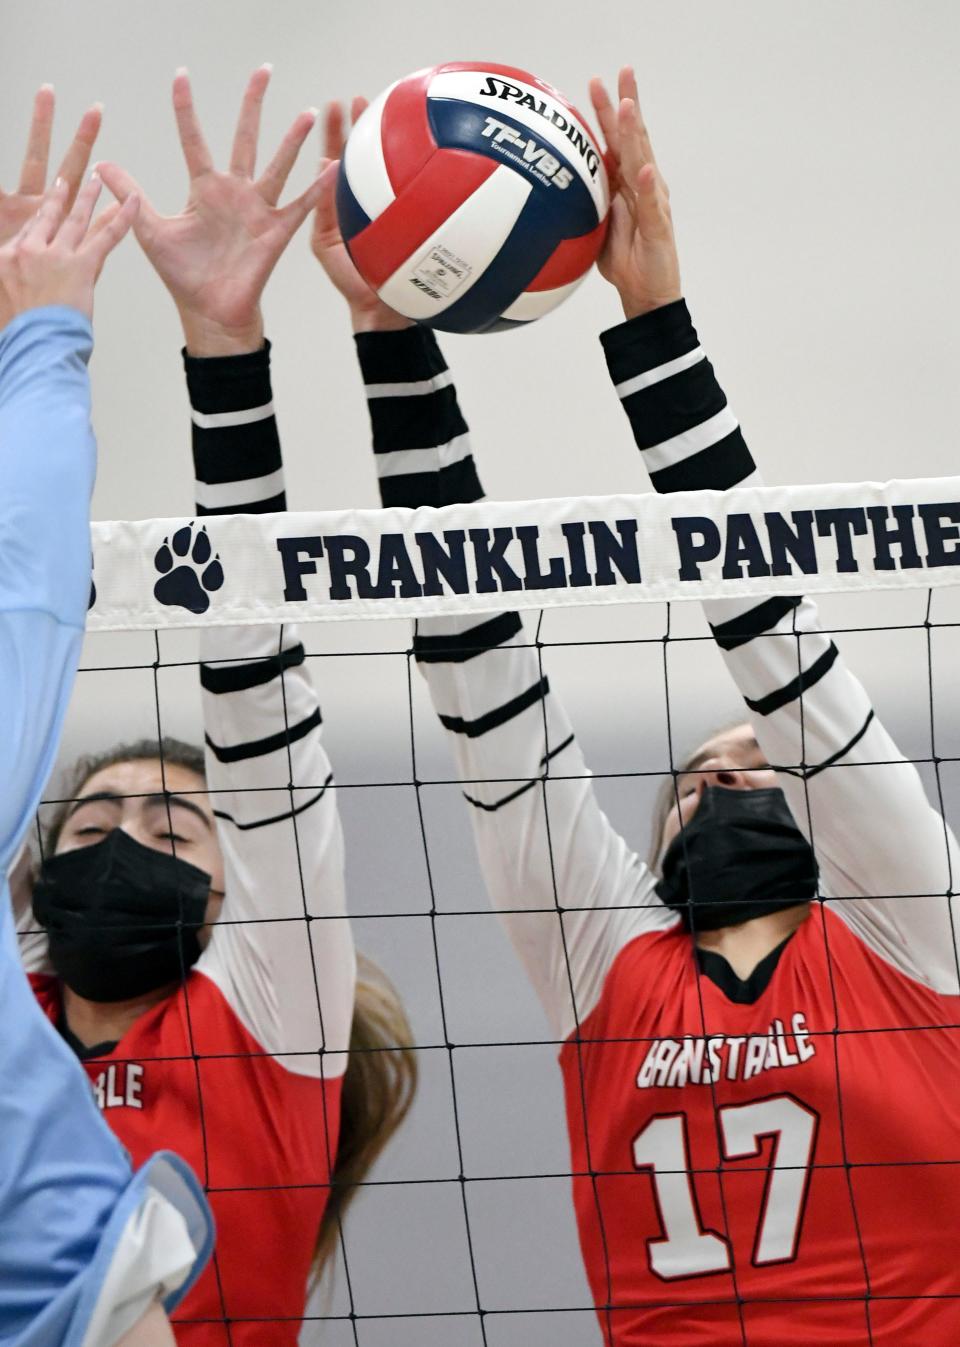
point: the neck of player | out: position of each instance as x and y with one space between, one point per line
744 946
94 1022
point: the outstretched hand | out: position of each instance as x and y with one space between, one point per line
639 256
217 255
367 310
56 257
16 208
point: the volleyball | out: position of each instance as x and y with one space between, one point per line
472 197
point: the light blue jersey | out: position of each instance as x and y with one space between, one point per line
85 1245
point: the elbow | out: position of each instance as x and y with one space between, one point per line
45 560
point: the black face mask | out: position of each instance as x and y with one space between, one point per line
739 857
121 918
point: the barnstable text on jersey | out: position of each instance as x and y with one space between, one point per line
678 1062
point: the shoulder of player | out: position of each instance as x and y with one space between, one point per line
852 954
199 1020
46 989
201 1017
648 961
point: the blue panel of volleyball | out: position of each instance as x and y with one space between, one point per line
472 197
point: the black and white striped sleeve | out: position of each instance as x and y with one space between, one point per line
571 892
879 842
271 782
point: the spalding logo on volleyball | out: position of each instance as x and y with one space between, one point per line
472 197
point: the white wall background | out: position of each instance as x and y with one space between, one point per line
812 154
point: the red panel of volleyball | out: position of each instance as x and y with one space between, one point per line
473 197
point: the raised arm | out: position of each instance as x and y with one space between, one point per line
85 1247
271 784
571 892
46 296
44 546
878 840
16 209
270 779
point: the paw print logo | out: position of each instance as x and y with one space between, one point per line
188 576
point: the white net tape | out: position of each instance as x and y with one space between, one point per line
529 554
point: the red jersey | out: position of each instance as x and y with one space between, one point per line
259 1137
798 1153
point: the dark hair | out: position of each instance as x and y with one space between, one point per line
378 1089
170 752
381 1076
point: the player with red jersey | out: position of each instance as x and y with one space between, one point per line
764 1119
225 1040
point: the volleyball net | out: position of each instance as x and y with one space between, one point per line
464 1231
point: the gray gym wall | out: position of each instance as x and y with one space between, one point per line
811 150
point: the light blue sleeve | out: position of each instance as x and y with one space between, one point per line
47 464
71 1210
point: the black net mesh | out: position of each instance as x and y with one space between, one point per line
463 1231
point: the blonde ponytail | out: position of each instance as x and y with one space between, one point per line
378 1089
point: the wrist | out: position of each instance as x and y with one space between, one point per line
637 305
56 297
648 340
205 339
378 319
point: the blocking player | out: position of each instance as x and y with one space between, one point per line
759 1064
91 1254
226 1038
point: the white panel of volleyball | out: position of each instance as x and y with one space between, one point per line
236 569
